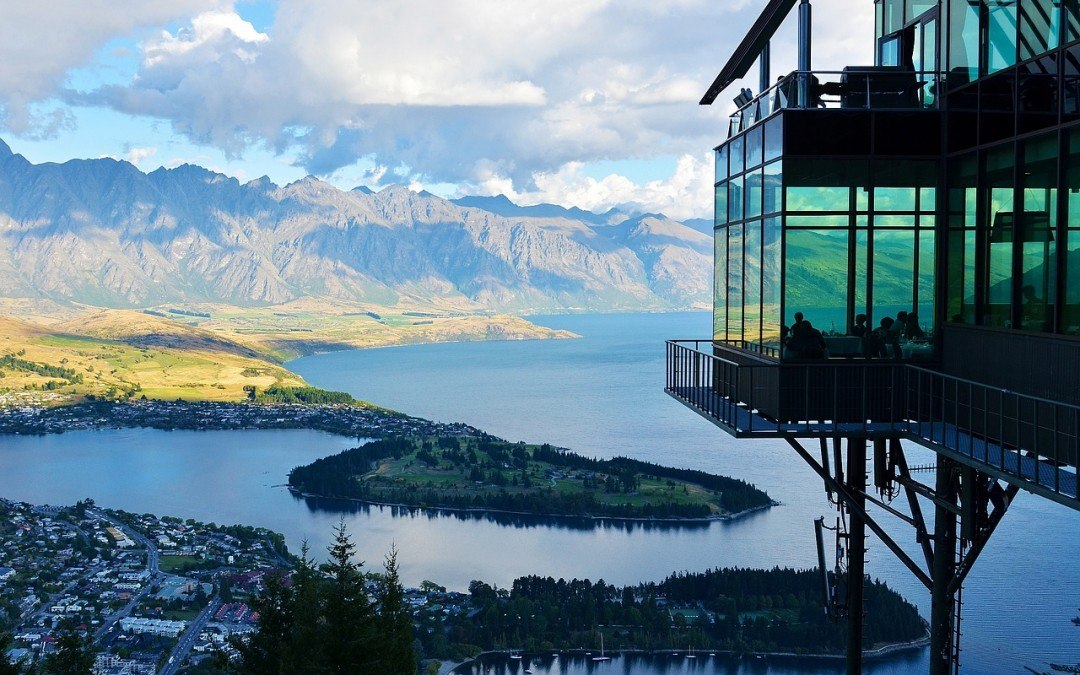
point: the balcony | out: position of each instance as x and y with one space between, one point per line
1024 440
867 88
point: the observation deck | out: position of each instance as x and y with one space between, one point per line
1030 442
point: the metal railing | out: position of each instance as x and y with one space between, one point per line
850 89
1024 437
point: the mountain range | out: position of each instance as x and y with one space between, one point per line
102 232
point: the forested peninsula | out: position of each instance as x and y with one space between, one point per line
484 473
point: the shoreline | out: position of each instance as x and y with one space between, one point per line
482 511
880 652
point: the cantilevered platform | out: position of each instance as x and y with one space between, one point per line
1025 441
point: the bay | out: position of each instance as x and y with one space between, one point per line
600 395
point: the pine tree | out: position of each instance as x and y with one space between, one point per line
264 653
74 654
396 656
347 644
303 657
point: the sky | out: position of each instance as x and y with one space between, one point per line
588 103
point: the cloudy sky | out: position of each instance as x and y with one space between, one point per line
591 103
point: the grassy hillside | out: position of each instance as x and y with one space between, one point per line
128 354
208 352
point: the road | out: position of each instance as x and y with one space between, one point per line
188 638
152 559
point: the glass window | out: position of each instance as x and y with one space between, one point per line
893 16
721 163
817 221
963 42
916 8
772 187
1071 18
893 276
735 155
753 194
753 147
960 287
862 281
894 199
735 282
1070 315
924 301
928 199
1070 84
1037 226
1038 94
720 268
752 282
1001 35
822 184
1040 26
770 282
774 138
816 281
997 107
720 213
735 198
997 282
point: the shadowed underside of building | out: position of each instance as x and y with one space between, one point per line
898 260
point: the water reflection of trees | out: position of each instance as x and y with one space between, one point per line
518 521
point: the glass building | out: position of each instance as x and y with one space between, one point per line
897 259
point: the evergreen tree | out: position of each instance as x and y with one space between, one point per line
264 653
307 622
74 654
396 657
6 666
347 644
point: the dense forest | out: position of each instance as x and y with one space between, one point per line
741 610
306 395
542 480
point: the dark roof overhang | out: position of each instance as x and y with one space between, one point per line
750 48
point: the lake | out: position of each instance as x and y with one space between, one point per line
600 395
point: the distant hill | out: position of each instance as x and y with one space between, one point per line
103 233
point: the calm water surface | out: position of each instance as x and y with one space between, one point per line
601 395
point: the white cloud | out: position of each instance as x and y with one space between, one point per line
137 155
509 95
40 42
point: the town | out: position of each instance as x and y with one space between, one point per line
346 419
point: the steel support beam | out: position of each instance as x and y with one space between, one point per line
856 483
942 605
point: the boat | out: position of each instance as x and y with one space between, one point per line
601 657
690 653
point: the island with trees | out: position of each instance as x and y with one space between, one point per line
484 473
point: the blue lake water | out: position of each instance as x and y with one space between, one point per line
600 395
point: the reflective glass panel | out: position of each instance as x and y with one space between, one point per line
770 282
720 212
774 138
721 163
916 8
752 191
963 42
1001 34
752 281
924 302
816 273
753 147
893 276
1037 228
735 282
1040 26
720 265
772 187
735 156
735 198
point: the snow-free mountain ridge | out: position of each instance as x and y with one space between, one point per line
104 233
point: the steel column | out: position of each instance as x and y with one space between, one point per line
942 618
856 481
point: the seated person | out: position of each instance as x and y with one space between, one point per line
806 342
882 338
912 329
860 328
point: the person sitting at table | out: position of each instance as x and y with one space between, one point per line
882 338
912 329
806 342
860 328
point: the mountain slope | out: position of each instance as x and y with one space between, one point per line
101 232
